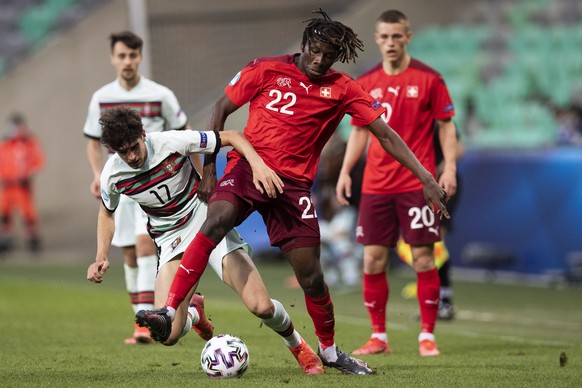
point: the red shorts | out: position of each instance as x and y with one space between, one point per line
383 217
290 218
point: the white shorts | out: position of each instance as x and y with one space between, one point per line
130 221
141 222
125 222
175 242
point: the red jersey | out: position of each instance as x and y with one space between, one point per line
413 100
291 117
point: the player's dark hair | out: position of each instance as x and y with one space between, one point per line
324 30
121 126
17 119
128 38
393 16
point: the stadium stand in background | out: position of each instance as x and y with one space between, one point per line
510 66
494 57
26 25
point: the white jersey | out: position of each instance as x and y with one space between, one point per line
165 185
157 105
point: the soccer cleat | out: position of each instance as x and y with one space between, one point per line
347 364
141 335
204 327
307 359
428 348
446 311
373 346
157 321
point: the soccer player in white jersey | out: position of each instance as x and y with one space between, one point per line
159 110
156 172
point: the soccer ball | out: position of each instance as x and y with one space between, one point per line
224 356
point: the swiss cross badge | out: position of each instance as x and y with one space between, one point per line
325 92
412 91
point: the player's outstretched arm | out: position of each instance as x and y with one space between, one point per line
105 229
265 179
392 143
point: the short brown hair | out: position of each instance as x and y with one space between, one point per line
393 16
128 38
121 126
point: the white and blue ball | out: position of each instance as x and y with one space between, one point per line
225 356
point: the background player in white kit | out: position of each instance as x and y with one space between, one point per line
159 110
157 173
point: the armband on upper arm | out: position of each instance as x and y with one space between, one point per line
218 143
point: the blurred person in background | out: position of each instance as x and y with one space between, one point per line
446 309
21 157
392 202
159 110
340 253
296 101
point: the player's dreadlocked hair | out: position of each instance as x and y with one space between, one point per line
121 126
324 30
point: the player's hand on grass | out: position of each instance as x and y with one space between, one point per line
97 270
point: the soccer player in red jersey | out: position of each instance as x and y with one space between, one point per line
21 158
392 200
295 104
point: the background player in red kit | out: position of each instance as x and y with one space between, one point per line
21 157
392 201
296 103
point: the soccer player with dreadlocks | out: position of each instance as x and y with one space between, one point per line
296 102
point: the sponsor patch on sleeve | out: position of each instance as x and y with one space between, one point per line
203 140
376 105
449 108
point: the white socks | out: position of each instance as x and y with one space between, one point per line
187 326
381 336
426 336
146 280
330 353
171 312
131 284
281 322
193 315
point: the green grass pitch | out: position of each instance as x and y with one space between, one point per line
59 330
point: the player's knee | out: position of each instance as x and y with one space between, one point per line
423 263
262 307
313 285
215 228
